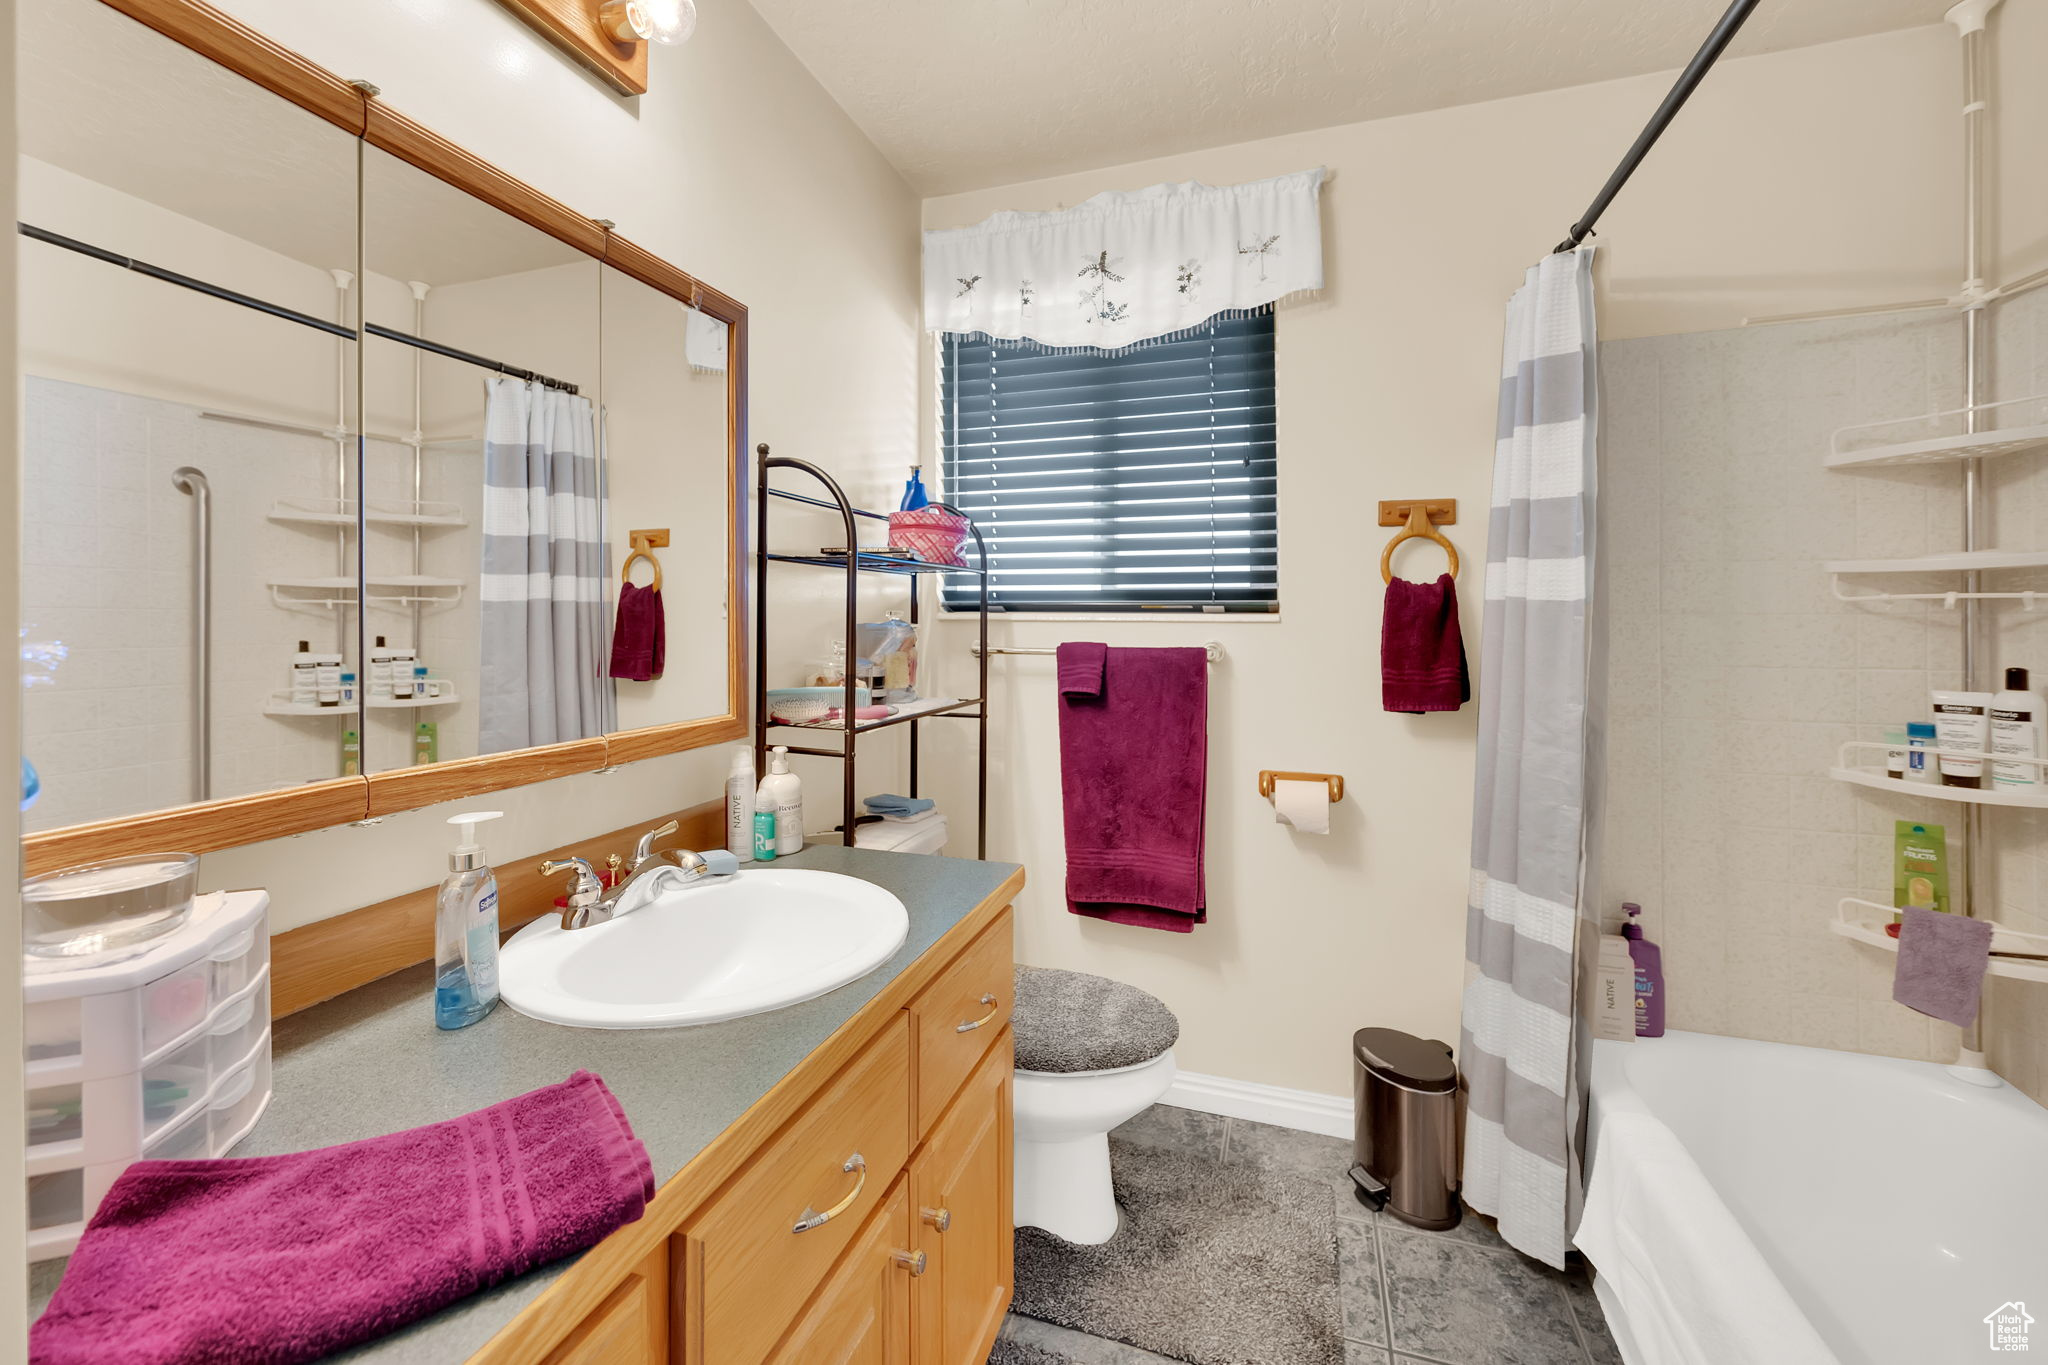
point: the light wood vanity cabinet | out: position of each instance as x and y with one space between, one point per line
632 1325
905 1253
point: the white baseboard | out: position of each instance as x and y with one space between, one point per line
1306 1110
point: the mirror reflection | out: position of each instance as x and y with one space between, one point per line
487 607
170 430
225 392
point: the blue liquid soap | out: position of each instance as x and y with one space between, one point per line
456 1003
466 933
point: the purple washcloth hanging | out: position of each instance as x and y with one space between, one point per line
1422 651
640 634
284 1259
1133 776
1942 960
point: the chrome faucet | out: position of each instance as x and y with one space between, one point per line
591 902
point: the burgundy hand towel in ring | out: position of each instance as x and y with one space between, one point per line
283 1259
1422 651
1133 771
640 635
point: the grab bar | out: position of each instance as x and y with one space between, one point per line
192 481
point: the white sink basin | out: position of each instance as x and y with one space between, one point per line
718 949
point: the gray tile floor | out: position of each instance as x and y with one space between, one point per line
1462 1297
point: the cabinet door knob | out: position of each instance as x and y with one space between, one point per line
972 1024
941 1219
912 1261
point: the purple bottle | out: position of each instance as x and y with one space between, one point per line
1649 960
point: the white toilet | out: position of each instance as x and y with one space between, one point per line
1091 1053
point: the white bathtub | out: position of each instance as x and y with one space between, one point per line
1889 1205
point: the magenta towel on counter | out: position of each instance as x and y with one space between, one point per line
1133 768
1422 651
283 1259
1942 960
640 635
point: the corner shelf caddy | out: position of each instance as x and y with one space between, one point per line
2021 956
973 708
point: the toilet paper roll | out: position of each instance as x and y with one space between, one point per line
1304 805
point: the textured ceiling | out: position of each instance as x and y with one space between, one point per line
965 94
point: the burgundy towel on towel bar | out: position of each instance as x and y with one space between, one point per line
283 1259
1080 669
1422 651
639 635
1133 769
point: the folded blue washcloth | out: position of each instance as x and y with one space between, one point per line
885 804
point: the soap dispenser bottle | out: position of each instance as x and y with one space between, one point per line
782 793
1649 960
466 931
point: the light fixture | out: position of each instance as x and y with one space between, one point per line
655 21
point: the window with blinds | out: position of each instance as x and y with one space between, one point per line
1117 483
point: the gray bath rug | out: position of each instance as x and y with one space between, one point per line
1008 1352
1213 1264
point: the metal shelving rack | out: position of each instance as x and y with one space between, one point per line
853 566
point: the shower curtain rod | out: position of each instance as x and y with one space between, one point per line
1688 81
277 310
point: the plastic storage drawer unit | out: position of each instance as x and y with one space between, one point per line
162 1054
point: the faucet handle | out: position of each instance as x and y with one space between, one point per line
584 891
643 850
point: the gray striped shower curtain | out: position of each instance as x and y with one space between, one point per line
1519 1047
545 593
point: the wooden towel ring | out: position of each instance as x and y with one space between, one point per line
644 543
1421 517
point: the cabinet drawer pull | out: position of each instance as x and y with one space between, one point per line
813 1219
912 1261
940 1219
972 1024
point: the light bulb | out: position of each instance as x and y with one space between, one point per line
655 21
668 21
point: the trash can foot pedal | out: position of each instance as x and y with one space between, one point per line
1371 1193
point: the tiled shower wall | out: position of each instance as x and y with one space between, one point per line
107 573
1735 674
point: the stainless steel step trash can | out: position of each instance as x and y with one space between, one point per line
1408 1127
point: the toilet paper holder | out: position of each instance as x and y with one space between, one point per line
1268 776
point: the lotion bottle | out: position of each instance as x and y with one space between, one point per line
466 931
1649 960
739 805
782 792
2016 717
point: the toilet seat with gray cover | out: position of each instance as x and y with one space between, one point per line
1068 1022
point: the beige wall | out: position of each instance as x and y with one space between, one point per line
737 167
1783 188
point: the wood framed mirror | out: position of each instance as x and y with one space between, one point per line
402 407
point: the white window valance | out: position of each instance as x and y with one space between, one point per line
1127 266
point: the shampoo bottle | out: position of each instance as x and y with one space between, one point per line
2016 729
782 792
1649 960
466 931
739 805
